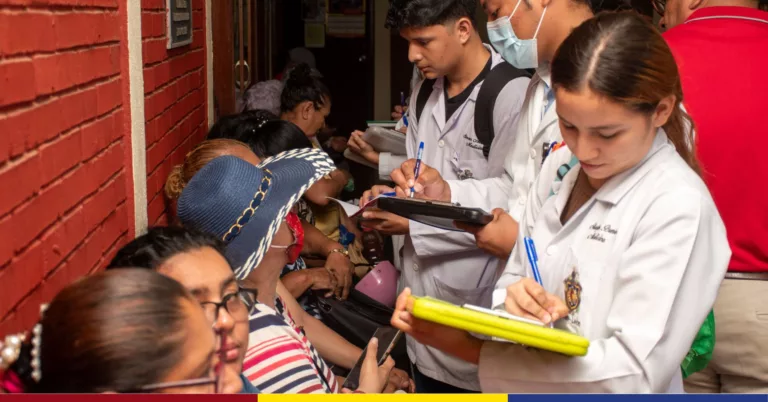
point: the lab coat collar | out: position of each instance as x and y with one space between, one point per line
545 74
438 111
613 190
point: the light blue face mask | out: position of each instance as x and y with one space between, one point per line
521 53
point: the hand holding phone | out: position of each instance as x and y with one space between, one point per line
371 372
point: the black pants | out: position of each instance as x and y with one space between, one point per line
428 385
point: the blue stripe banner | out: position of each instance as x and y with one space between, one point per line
640 398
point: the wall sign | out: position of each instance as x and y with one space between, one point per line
179 22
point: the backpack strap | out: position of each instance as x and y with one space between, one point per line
494 82
421 99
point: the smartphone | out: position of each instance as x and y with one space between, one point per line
388 338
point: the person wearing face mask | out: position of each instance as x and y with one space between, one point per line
631 248
447 113
247 207
730 137
526 33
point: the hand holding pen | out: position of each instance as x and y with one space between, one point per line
529 299
416 169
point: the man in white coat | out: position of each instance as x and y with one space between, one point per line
446 47
527 34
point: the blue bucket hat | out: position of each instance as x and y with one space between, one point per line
244 204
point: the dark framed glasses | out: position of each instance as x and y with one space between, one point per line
659 6
238 304
197 382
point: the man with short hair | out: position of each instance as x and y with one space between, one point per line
720 48
465 112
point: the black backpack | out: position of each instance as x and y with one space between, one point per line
494 82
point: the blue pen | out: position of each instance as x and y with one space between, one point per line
389 194
533 258
402 103
416 170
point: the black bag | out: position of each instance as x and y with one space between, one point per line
357 319
494 82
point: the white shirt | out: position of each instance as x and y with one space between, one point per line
537 126
440 263
648 250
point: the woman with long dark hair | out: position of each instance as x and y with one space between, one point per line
631 248
131 330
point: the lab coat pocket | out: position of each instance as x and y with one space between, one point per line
480 296
470 169
582 292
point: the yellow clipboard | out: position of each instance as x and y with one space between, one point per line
524 333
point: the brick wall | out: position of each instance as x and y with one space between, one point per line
66 179
65 176
176 95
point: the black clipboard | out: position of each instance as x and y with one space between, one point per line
434 213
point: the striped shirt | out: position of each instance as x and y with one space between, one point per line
280 358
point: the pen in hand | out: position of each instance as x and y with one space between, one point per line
419 156
533 259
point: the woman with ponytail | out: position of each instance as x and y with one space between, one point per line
631 249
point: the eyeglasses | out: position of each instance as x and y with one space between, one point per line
239 304
195 382
659 6
182 384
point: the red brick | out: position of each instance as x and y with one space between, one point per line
19 181
6 245
153 4
108 96
98 207
156 208
198 20
154 50
96 136
156 180
78 29
61 155
64 70
17 80
28 311
59 242
153 24
25 274
26 32
33 218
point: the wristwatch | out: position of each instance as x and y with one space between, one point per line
341 251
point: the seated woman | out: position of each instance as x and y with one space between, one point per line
196 260
335 275
127 331
306 102
631 247
246 206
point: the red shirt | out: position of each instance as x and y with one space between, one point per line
722 54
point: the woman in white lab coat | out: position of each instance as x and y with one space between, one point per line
631 248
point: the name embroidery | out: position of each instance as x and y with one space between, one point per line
599 230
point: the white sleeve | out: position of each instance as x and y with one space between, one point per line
487 194
389 162
667 282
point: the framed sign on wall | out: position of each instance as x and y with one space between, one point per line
179 23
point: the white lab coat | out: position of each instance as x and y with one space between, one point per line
432 266
649 250
509 189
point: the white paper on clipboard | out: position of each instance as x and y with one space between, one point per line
385 140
